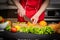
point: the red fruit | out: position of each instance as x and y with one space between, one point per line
2 20
13 29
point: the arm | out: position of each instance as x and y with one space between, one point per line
43 8
19 6
21 10
39 12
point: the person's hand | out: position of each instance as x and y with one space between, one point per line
21 12
34 19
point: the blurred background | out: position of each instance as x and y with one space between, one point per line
9 11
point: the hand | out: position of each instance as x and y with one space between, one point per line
21 12
34 19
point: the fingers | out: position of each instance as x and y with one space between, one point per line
34 21
20 13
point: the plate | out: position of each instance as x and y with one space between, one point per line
20 35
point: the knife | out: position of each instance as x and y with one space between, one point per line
27 19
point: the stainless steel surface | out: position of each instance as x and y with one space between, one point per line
14 7
3 1
52 19
55 1
10 2
53 15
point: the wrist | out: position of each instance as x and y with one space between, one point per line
37 15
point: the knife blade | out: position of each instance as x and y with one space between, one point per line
27 19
